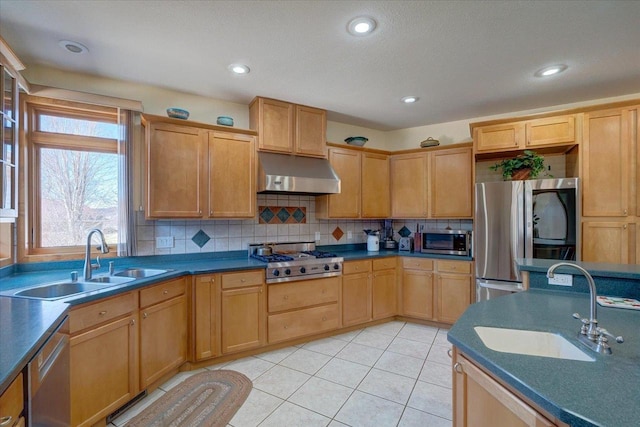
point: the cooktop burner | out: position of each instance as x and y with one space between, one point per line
320 254
272 258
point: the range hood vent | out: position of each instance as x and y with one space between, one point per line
282 173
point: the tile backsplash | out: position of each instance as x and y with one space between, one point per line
195 236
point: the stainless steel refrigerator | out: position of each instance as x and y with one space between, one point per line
522 219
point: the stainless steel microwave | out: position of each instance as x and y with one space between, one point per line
446 242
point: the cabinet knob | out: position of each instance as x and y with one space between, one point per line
145 315
449 353
286 297
102 313
133 322
199 212
625 212
243 280
210 213
458 368
165 292
624 227
324 318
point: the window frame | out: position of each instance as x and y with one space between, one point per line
35 140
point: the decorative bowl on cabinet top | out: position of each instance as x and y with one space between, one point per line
177 113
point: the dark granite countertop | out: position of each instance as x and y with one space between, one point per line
596 269
605 392
25 325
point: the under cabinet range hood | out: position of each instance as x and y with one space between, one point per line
283 173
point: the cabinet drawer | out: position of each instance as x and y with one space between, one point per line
102 311
384 263
161 292
299 323
12 401
461 267
287 296
242 279
352 267
417 264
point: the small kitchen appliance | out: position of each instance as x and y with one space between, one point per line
373 240
387 241
405 244
445 242
296 261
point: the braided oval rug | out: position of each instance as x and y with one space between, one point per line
206 399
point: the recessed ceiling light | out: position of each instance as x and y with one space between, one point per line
410 99
361 26
550 71
239 69
73 47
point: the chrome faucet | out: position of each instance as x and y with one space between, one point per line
104 248
590 334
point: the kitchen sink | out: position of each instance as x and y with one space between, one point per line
139 273
530 343
111 280
58 290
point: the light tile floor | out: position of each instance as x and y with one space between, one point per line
393 374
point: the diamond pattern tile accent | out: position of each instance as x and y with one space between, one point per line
404 232
282 215
337 233
200 238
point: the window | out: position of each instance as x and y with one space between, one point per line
73 151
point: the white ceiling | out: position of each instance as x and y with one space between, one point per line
463 59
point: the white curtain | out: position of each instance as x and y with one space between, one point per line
126 212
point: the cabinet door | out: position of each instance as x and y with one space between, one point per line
311 131
356 299
480 401
163 339
605 242
346 163
206 314
417 294
274 121
452 183
232 177
375 186
12 402
605 164
383 294
502 137
409 185
103 370
551 130
176 171
453 295
243 319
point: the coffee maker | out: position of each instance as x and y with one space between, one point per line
386 241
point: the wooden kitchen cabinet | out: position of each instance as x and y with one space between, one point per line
479 400
550 131
301 308
12 403
232 182
243 311
288 128
364 182
356 298
206 316
383 288
163 330
368 290
199 171
417 288
451 180
454 286
409 185
607 241
104 368
499 137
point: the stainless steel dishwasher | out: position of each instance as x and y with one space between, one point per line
48 383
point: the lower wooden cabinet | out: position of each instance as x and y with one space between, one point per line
206 316
479 400
163 330
243 311
103 357
383 294
368 290
417 288
12 403
356 299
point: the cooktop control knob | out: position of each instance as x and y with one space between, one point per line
287 272
326 267
276 273
303 270
336 266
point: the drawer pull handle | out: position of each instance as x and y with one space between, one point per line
243 280
102 313
165 292
133 322
145 315
286 327
5 421
458 368
286 297
324 318
449 353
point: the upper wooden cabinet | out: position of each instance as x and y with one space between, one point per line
288 128
199 171
9 144
434 184
526 134
364 181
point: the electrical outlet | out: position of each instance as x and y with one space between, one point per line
164 242
317 236
349 235
561 280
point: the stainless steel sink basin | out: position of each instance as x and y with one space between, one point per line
111 280
58 290
139 273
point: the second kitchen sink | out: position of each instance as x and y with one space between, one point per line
58 290
139 273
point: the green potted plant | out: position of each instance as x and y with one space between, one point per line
527 165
